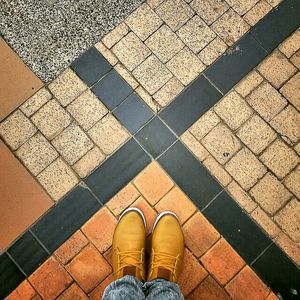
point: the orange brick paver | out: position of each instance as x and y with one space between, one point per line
74 292
246 285
222 261
50 279
99 290
89 268
23 292
100 228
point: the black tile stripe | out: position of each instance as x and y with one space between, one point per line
118 170
273 265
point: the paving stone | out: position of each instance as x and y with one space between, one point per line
186 66
193 144
107 53
168 92
233 110
196 34
291 90
100 228
289 247
279 158
230 27
88 162
148 99
289 219
222 261
108 134
297 148
247 284
256 134
276 196
270 66
51 119
131 51
209 10
199 234
16 129
239 195
115 35
295 59
73 292
217 170
182 211
209 289
241 7
154 3
97 293
257 12
50 279
143 21
291 44
36 154
287 124
66 87
153 183
274 3
126 75
72 143
89 268
149 213
164 43
192 273
248 83
245 168
212 51
71 247
87 110
221 143
266 101
265 222
174 12
35 102
57 179
204 124
292 182
152 74
123 199
23 292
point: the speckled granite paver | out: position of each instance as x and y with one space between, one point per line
49 35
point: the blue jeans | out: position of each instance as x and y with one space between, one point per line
130 288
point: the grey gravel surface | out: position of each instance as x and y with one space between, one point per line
49 34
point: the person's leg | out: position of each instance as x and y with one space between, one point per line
128 257
166 259
127 288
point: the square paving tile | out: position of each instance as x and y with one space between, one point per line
230 27
152 74
72 143
23 200
131 51
186 66
241 7
16 129
51 119
17 81
196 34
164 43
291 90
143 21
209 10
174 12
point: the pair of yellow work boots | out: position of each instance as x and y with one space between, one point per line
129 241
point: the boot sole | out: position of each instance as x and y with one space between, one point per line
137 210
162 215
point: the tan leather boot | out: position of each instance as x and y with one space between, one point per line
167 248
129 245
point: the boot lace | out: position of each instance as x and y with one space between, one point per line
165 261
136 259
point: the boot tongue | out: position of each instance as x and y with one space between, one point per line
129 270
164 273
